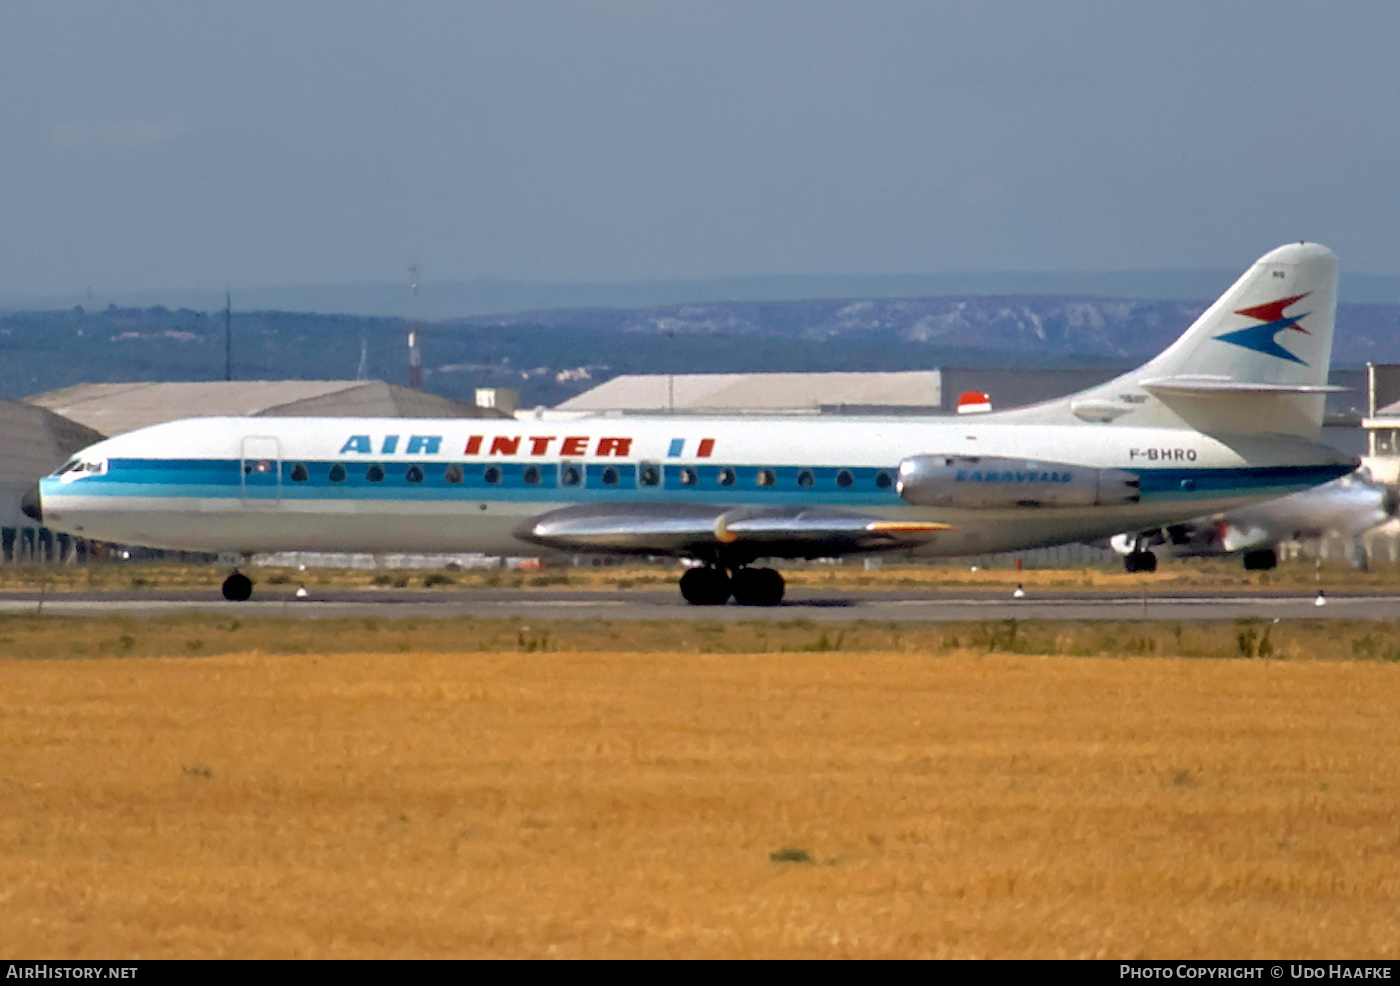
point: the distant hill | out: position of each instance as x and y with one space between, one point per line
461 299
550 356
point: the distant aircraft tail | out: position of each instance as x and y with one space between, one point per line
1255 362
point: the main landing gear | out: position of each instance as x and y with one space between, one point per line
238 588
711 586
1140 561
1260 560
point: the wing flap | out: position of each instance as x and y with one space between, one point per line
704 531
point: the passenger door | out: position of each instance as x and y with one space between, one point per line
262 471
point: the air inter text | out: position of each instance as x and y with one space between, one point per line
566 446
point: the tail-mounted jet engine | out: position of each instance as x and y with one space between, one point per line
980 482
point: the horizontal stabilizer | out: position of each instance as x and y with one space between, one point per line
1225 385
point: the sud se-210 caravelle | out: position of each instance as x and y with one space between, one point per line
1226 416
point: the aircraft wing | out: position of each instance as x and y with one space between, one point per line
706 531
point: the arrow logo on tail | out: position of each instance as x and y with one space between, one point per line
1261 338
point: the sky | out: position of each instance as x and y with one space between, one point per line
153 144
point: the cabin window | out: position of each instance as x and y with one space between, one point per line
300 473
375 474
805 478
610 476
337 474
492 475
726 477
453 474
414 474
532 475
882 480
688 477
648 474
844 479
766 477
569 476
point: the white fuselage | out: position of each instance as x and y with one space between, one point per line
395 484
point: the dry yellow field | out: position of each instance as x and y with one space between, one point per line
663 804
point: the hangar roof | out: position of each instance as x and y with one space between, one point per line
33 443
1390 412
114 408
760 391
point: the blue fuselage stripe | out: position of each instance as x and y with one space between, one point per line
554 482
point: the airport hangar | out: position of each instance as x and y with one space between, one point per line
39 433
917 392
33 442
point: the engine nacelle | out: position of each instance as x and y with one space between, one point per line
986 481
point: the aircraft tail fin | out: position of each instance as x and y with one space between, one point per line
1255 362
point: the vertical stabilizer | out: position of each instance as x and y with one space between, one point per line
1273 326
1255 362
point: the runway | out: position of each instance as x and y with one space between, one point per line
665 604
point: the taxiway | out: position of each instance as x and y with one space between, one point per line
664 604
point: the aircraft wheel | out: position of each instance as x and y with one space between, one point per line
705 587
1261 560
238 588
758 587
1140 561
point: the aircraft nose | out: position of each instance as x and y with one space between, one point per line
31 505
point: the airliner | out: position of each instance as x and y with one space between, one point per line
1227 415
1345 508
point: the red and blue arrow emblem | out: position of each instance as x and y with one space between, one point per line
1262 338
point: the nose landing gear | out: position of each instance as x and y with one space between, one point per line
238 588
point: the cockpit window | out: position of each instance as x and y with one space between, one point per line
79 467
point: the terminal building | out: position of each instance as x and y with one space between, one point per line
1382 421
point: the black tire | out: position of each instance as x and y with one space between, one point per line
1260 560
705 587
238 588
758 587
1140 561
